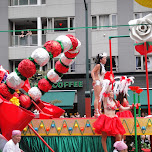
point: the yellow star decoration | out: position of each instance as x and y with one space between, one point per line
15 101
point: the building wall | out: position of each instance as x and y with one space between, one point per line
4 35
125 45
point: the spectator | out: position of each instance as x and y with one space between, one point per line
29 37
13 144
77 115
120 146
22 38
142 114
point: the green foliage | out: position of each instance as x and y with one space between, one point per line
36 77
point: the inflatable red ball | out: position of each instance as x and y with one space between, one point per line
74 41
54 47
44 85
60 68
71 55
25 101
4 91
27 68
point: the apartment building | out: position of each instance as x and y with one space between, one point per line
44 16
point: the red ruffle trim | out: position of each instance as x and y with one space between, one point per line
126 114
112 126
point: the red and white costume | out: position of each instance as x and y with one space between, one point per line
111 125
126 113
122 87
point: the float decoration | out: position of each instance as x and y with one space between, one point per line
27 68
141 31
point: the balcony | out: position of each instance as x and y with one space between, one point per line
30 40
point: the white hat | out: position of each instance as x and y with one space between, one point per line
104 54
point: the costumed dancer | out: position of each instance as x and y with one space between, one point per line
108 124
98 75
122 93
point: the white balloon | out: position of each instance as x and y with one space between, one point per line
13 81
65 60
35 93
40 56
53 76
65 41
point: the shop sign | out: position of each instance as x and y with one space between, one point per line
70 84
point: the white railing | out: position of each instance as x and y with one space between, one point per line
30 40
25 2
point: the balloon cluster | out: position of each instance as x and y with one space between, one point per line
68 45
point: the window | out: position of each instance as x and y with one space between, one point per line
114 20
71 23
73 67
63 24
24 2
94 22
14 65
140 63
140 15
60 23
104 20
114 63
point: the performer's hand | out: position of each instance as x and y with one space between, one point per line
94 82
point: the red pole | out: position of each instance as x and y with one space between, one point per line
147 80
110 52
37 106
40 138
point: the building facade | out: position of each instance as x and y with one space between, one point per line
44 16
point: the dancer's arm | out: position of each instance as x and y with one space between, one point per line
94 72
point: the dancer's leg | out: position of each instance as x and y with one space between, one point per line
118 137
103 141
97 90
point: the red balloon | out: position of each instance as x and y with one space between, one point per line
60 68
4 91
27 68
71 55
25 101
74 41
54 47
44 85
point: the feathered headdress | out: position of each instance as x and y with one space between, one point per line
107 83
123 84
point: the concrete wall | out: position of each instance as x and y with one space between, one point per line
4 35
125 45
53 8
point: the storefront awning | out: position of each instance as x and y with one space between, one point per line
67 98
143 98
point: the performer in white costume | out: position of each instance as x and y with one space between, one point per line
98 75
